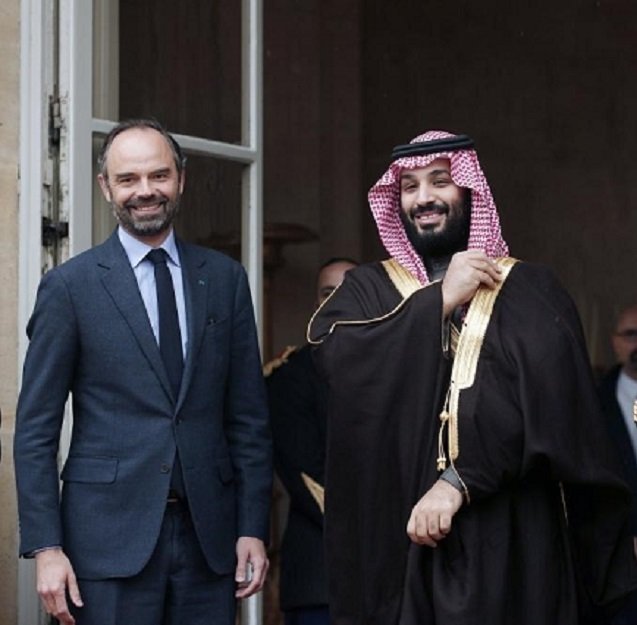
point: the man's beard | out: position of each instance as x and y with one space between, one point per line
146 225
452 238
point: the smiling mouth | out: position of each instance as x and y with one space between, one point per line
148 207
432 208
428 218
157 205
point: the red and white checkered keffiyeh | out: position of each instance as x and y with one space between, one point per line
384 200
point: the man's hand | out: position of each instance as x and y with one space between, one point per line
54 575
250 550
430 519
467 271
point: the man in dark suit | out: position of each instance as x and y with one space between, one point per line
297 400
164 508
618 395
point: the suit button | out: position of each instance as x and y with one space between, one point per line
165 468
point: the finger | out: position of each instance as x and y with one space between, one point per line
473 256
411 527
487 280
493 270
445 524
485 265
243 592
260 568
422 532
47 602
257 582
240 572
428 541
412 530
66 619
423 540
48 595
433 528
62 609
74 591
480 260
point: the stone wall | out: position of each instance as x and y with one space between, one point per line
9 155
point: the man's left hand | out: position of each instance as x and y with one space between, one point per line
250 550
430 519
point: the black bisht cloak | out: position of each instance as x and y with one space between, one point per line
544 537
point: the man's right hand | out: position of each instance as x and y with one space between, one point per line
467 271
55 576
431 517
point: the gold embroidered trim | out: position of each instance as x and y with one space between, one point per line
454 338
316 490
277 361
358 322
404 281
465 363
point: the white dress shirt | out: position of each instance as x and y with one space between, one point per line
626 396
145 275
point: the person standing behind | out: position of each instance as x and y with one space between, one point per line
618 396
166 489
296 397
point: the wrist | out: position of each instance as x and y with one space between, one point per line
39 554
450 476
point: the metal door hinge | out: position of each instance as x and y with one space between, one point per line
53 231
55 122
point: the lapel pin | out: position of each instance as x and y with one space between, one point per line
202 283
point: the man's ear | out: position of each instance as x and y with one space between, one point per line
182 181
104 186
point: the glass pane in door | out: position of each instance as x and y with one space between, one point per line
179 62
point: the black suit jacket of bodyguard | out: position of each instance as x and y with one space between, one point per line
620 436
90 335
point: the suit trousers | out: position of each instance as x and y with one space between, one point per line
318 615
176 587
628 613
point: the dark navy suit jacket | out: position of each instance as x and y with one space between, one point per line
627 613
619 434
90 336
297 399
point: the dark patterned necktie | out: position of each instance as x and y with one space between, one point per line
169 333
169 342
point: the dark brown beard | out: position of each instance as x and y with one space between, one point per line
454 237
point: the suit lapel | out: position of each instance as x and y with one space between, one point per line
119 280
618 427
196 286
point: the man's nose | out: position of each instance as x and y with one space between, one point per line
144 187
425 195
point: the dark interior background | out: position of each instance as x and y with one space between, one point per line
546 89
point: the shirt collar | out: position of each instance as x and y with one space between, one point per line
627 384
136 250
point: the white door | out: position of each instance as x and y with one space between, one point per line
198 69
